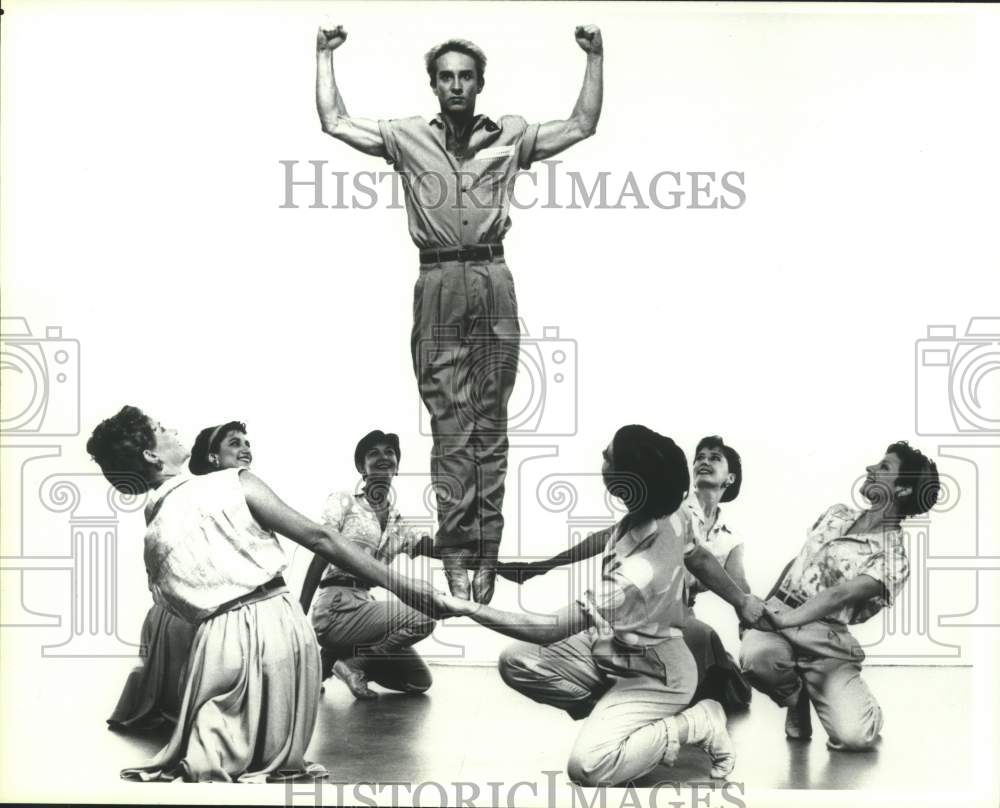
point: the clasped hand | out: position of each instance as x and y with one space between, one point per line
753 612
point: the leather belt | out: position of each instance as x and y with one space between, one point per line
475 252
789 600
250 597
344 580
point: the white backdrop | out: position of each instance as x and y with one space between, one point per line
142 214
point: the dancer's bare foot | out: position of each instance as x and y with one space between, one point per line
798 720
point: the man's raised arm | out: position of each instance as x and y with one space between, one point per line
362 134
555 136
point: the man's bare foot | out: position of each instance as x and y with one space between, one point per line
798 721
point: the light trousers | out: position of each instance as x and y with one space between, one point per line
623 736
826 658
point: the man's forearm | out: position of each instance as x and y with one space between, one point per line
587 111
329 101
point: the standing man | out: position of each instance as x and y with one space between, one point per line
457 170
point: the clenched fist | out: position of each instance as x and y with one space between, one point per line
330 39
588 37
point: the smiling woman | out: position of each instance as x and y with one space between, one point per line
852 564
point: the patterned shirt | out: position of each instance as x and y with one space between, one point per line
202 546
831 555
641 593
458 200
720 541
351 516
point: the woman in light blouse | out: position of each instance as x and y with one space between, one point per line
364 639
717 477
617 657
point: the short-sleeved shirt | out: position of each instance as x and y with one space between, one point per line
202 546
641 593
350 515
831 556
454 202
719 540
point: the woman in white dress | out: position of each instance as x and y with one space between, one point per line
252 687
153 690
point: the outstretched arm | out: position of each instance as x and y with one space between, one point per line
521 571
830 601
707 569
555 136
542 629
312 579
358 133
272 513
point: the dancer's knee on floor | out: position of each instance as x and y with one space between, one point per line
592 767
856 736
513 667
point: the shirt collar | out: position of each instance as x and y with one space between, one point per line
694 504
363 503
851 515
477 121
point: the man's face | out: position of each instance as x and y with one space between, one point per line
456 82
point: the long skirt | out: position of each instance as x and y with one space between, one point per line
719 677
250 699
153 690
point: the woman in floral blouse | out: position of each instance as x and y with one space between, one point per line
363 638
852 564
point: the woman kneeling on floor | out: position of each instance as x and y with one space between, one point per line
363 638
617 657
852 564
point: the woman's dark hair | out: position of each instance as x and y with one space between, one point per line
117 444
455 46
918 472
650 473
208 442
732 460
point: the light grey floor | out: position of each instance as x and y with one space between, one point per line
470 727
